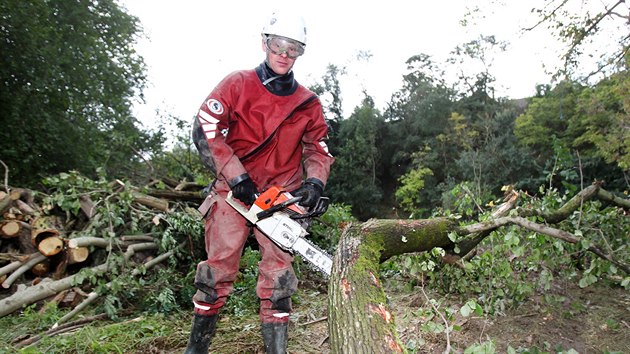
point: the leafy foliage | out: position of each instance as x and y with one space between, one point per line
511 265
69 73
355 178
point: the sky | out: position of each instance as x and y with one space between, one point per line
191 45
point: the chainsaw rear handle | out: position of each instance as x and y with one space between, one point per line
318 210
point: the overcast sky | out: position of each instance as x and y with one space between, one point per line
193 44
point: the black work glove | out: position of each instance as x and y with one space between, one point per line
245 191
310 191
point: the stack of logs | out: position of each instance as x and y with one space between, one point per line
29 235
36 245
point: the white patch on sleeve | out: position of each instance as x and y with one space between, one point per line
211 135
208 124
209 127
325 147
207 117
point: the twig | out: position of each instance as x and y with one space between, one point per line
61 329
145 237
314 321
436 310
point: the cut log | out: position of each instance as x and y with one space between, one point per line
44 227
41 291
24 194
78 255
190 196
26 208
41 269
5 201
16 263
150 201
14 228
50 246
87 206
185 186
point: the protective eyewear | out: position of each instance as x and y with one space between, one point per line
282 45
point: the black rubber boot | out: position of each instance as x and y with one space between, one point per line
275 336
201 334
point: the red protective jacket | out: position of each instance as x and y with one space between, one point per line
273 138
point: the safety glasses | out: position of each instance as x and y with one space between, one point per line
281 45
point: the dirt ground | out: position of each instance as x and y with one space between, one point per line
591 320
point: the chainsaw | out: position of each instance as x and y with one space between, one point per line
276 214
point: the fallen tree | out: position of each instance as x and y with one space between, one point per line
360 320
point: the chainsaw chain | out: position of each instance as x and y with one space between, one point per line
315 266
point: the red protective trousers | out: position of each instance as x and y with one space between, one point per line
225 234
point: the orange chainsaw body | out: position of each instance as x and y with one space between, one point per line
276 195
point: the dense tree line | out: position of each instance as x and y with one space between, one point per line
435 146
68 76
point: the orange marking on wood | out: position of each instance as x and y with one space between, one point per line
393 345
374 280
381 311
345 284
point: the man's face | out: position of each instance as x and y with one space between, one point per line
281 53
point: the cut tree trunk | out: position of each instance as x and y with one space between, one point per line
185 186
26 208
42 268
358 318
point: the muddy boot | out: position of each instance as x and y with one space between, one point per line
275 336
201 334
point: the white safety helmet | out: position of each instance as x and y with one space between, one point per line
286 24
